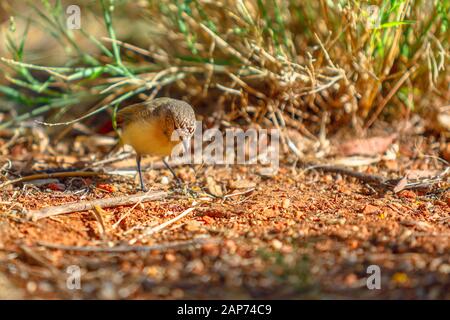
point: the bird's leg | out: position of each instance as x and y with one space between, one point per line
179 182
138 163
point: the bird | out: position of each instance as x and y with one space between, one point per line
148 127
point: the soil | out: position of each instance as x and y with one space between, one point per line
298 234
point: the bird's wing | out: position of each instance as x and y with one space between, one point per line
138 111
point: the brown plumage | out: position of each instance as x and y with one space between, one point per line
148 127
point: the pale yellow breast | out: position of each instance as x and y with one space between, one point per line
147 137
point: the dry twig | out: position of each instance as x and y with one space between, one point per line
150 231
124 248
52 175
382 181
88 205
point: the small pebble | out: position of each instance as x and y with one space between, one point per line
277 244
164 180
285 203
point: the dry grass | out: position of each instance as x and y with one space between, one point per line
299 64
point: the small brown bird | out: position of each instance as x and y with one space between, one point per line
148 128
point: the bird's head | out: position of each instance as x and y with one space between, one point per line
181 118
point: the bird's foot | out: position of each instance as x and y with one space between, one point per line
143 188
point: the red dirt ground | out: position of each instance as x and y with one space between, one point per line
295 235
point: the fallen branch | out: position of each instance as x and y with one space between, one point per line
88 205
382 181
53 175
75 171
124 248
364 177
